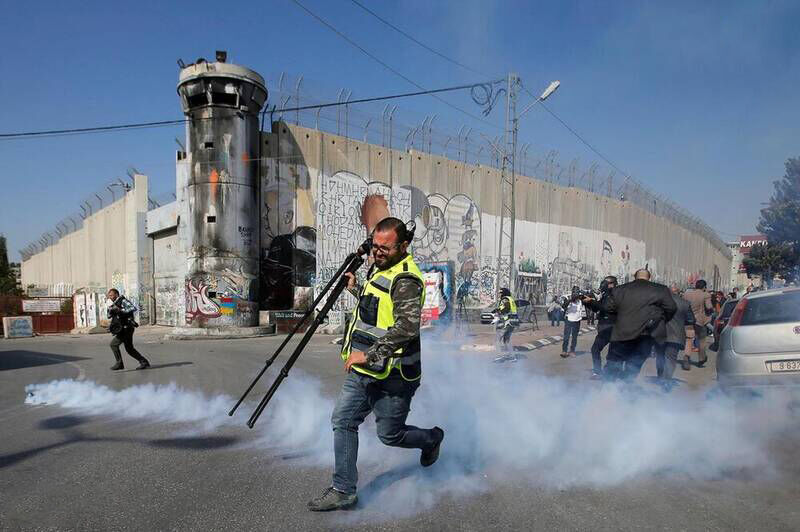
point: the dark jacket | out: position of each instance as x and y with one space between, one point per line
121 312
642 309
604 319
676 327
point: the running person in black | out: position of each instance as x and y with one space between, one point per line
120 312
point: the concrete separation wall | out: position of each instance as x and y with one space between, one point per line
321 193
110 250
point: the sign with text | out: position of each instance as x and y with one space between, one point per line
747 242
41 305
18 327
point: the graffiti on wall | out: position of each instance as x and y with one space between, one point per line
226 296
449 229
288 237
549 259
170 292
198 303
348 208
288 269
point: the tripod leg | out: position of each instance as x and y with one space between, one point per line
346 264
335 293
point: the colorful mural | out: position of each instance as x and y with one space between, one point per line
549 259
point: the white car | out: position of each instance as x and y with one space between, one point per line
760 345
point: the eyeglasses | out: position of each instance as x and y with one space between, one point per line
383 250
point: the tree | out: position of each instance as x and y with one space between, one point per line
771 259
4 267
780 221
8 280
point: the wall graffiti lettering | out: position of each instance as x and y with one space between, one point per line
198 302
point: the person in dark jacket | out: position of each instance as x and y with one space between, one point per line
667 353
643 308
605 323
122 326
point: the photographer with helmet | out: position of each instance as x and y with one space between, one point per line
605 323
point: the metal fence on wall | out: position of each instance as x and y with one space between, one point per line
388 124
391 126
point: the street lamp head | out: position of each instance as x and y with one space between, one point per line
550 90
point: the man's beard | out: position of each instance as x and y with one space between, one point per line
389 261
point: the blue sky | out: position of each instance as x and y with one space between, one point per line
698 100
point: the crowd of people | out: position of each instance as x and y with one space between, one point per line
637 320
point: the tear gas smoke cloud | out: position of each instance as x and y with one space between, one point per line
501 423
290 426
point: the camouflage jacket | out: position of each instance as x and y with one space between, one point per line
406 295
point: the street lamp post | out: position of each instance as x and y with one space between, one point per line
508 154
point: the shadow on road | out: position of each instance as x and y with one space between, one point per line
159 366
385 480
199 443
30 359
66 426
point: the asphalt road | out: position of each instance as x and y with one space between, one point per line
132 456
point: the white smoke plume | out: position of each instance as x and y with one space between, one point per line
501 423
290 425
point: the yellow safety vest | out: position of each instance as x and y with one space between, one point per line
512 305
373 316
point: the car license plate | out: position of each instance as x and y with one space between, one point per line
784 365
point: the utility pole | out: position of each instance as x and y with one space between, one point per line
508 179
507 187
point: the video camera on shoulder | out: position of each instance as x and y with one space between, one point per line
577 294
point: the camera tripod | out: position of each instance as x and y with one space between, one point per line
352 263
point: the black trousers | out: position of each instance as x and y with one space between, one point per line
571 329
667 359
125 338
625 359
602 339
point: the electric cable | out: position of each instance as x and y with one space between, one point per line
422 44
387 66
162 123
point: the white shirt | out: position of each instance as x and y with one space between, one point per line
575 310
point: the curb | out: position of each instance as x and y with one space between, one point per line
536 344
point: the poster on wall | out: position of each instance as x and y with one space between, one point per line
438 277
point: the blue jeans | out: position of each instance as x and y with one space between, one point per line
390 399
571 329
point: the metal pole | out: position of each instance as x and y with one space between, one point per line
460 132
430 133
391 155
366 129
297 99
504 157
513 104
424 128
347 112
339 112
383 125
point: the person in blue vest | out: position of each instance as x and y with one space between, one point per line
381 354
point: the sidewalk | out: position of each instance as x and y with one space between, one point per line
479 337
